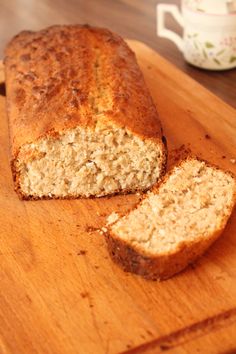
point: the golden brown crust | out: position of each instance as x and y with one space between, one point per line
160 267
65 76
156 267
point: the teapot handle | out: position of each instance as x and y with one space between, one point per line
162 31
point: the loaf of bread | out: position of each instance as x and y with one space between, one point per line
82 121
175 223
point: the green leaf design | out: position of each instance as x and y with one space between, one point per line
195 44
217 61
204 53
232 59
220 52
209 45
194 35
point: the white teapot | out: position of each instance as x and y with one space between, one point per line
209 31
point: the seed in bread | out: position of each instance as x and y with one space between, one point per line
176 222
82 121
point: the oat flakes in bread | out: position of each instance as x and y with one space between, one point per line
82 121
176 222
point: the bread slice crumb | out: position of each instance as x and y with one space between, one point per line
176 222
84 163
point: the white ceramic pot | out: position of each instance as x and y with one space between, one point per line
211 6
209 40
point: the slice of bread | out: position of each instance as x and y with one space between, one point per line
82 121
175 222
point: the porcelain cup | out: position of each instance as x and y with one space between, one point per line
209 39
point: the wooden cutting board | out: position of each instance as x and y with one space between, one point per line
60 292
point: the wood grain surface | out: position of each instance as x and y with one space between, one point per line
131 18
60 292
196 338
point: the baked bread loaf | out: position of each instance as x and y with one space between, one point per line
175 223
82 122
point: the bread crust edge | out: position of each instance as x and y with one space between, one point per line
154 267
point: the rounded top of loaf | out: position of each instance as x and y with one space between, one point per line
65 76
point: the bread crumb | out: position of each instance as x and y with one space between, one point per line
233 161
2 89
101 214
91 229
81 252
104 229
84 294
112 218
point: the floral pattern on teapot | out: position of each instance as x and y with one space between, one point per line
202 52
